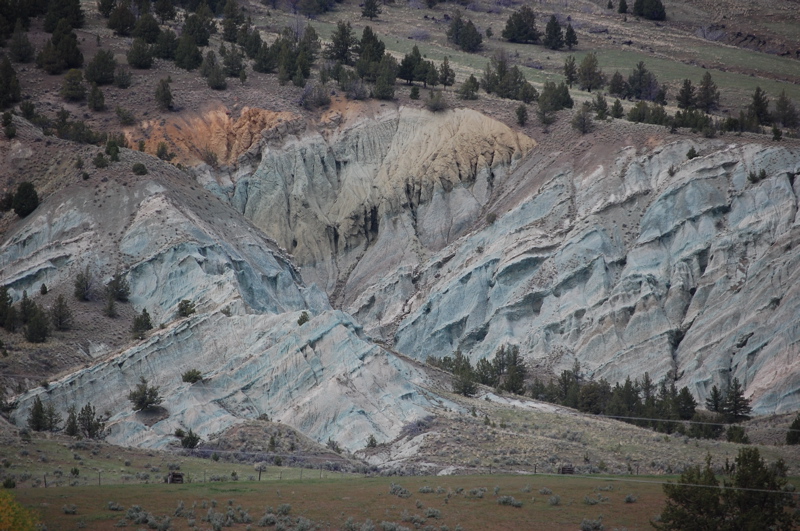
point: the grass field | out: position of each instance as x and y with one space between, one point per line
452 501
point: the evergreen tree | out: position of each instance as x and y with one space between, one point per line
589 74
164 95
122 20
199 28
785 111
649 9
144 396
471 39
687 95
187 54
26 308
617 86
61 51
9 84
89 424
521 27
26 199
707 94
570 71
101 68
447 75
600 107
141 324
370 9
553 34
38 328
36 417
793 435
165 10
735 406
165 46
71 427
759 107
72 88
83 285
139 55
96 100
522 115
105 7
623 7
147 29
387 73
233 63
469 88
342 45
66 10
20 48
60 314
582 121
570 37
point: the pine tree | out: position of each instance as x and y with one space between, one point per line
370 9
715 400
72 88
26 199
101 68
521 27
447 75
342 44
139 55
553 34
83 285
20 48
36 418
735 406
570 71
96 100
60 314
785 111
122 20
570 38
66 10
9 84
147 29
187 54
793 435
71 427
686 97
89 424
589 74
707 94
141 324
623 7
38 328
165 10
145 396
164 95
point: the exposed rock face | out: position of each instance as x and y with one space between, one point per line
628 261
627 269
322 378
174 242
373 190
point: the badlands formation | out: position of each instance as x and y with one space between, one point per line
406 234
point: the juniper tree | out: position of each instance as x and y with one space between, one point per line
521 27
553 34
570 38
83 284
570 71
144 396
60 314
707 94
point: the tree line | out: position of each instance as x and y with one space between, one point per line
642 402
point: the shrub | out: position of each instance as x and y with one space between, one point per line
314 96
692 153
83 284
510 500
139 169
630 498
303 319
426 489
125 116
25 200
592 525
9 483
399 491
186 308
100 161
554 500
545 491
192 376
70 509
141 324
190 440
122 78
436 102
144 396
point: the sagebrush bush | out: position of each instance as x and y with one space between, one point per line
554 500
509 500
